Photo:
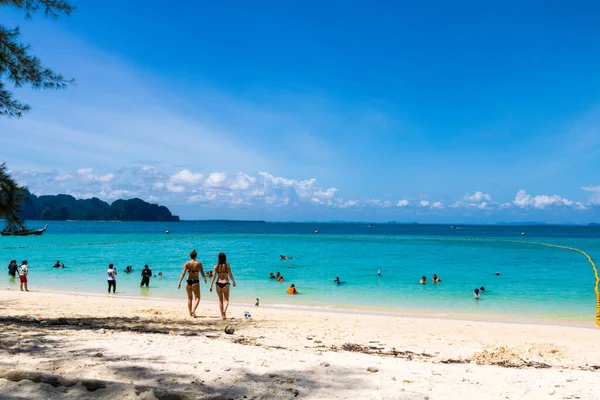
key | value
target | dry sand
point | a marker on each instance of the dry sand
(86, 346)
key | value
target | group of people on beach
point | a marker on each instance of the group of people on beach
(194, 269)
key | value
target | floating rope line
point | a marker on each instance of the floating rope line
(588, 258)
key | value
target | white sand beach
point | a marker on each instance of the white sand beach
(90, 346)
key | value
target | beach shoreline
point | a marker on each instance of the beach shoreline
(506, 318)
(134, 348)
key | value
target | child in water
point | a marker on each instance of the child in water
(292, 289)
(476, 294)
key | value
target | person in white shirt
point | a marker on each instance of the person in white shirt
(23, 271)
(112, 273)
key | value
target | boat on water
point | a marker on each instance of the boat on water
(16, 231)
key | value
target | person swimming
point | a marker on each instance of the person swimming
(160, 275)
(476, 294)
(337, 281)
(292, 289)
(482, 289)
(282, 257)
(378, 273)
(423, 280)
(280, 278)
(435, 279)
(57, 265)
(128, 269)
(272, 276)
(497, 274)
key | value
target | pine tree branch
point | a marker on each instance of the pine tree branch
(51, 8)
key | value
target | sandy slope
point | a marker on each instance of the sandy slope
(84, 346)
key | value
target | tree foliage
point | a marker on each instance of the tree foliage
(12, 196)
(18, 67)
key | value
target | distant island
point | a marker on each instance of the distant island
(64, 207)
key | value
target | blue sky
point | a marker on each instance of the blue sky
(405, 111)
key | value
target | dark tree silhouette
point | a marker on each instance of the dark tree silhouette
(11, 198)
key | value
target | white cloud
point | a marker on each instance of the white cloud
(524, 200)
(215, 180)
(175, 188)
(594, 199)
(63, 177)
(87, 173)
(424, 203)
(478, 197)
(437, 204)
(476, 200)
(102, 178)
(402, 203)
(186, 177)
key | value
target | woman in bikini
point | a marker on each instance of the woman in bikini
(222, 273)
(192, 267)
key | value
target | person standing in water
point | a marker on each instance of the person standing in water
(12, 268)
(222, 273)
(112, 282)
(23, 271)
(146, 274)
(192, 286)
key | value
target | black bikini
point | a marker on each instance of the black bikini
(192, 281)
(222, 284)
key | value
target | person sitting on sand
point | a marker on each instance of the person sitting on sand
(257, 302)
(292, 289)
(222, 271)
(57, 265)
(423, 280)
(476, 294)
(23, 271)
(192, 286)
(435, 279)
(272, 276)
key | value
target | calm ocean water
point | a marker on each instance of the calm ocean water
(535, 281)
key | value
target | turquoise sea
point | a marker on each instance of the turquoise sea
(536, 282)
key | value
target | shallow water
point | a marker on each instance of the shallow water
(535, 281)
